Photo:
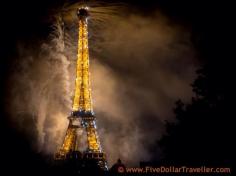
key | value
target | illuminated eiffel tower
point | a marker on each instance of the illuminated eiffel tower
(82, 117)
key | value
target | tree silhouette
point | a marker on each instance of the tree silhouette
(203, 129)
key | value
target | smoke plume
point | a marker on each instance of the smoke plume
(140, 66)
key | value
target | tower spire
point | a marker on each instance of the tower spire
(82, 99)
(82, 117)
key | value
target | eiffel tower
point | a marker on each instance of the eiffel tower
(82, 117)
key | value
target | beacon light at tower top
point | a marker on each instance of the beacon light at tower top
(83, 12)
(99, 12)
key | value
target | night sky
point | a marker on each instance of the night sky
(198, 31)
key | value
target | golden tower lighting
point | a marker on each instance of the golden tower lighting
(82, 117)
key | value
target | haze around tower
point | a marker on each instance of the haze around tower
(140, 65)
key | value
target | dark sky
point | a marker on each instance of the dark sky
(27, 21)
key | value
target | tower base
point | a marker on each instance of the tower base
(99, 157)
(78, 162)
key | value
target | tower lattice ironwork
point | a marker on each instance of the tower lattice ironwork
(82, 117)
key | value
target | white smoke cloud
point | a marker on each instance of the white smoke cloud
(143, 66)
(40, 91)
